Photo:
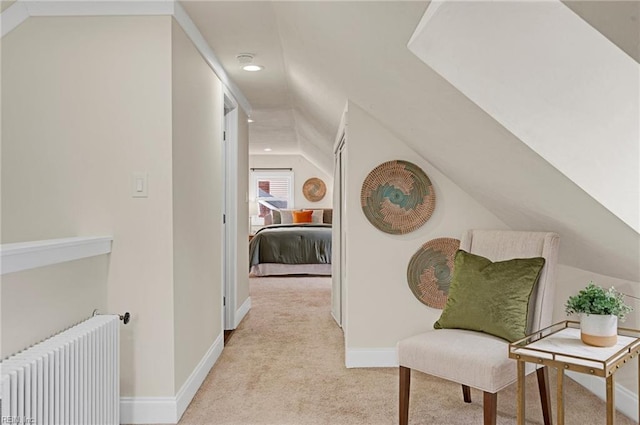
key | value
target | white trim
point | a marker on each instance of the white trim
(13, 16)
(230, 149)
(371, 357)
(342, 130)
(626, 400)
(148, 410)
(169, 410)
(193, 383)
(338, 253)
(18, 12)
(337, 321)
(20, 256)
(242, 311)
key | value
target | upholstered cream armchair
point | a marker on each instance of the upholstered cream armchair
(476, 359)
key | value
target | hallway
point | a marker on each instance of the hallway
(285, 365)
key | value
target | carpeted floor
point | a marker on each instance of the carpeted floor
(284, 365)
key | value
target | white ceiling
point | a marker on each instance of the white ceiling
(294, 112)
(296, 108)
(319, 54)
(232, 28)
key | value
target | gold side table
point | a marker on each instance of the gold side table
(559, 346)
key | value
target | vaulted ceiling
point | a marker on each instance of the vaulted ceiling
(319, 54)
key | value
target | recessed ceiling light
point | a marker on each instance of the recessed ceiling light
(249, 120)
(253, 68)
(246, 61)
(267, 149)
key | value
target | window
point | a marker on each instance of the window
(270, 190)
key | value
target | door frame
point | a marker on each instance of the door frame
(230, 211)
(338, 261)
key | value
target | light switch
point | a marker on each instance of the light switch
(139, 187)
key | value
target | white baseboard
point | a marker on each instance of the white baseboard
(148, 410)
(371, 357)
(337, 321)
(626, 400)
(169, 410)
(195, 380)
(242, 311)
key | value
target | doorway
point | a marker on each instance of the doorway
(230, 213)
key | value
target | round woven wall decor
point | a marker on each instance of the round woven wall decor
(430, 270)
(314, 189)
(397, 197)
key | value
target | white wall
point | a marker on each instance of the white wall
(86, 113)
(37, 303)
(87, 110)
(197, 205)
(303, 170)
(381, 310)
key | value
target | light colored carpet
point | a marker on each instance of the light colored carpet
(284, 365)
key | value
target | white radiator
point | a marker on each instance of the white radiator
(70, 378)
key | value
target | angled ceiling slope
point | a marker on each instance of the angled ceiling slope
(553, 81)
(280, 122)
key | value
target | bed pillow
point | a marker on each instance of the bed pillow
(327, 216)
(317, 216)
(490, 297)
(277, 219)
(304, 216)
(286, 216)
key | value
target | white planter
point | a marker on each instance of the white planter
(600, 330)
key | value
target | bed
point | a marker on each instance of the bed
(292, 249)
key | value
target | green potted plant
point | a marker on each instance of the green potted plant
(599, 309)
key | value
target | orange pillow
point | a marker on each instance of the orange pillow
(304, 216)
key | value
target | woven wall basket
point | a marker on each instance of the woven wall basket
(397, 197)
(314, 189)
(430, 270)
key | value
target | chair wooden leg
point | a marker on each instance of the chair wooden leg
(405, 385)
(545, 397)
(490, 405)
(466, 393)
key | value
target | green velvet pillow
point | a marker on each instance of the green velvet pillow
(490, 297)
